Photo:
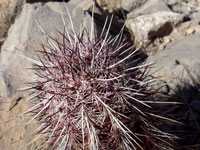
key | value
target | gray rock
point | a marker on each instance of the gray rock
(178, 61)
(16, 7)
(127, 5)
(148, 27)
(24, 37)
(189, 8)
(84, 5)
(130, 5)
(151, 6)
(195, 18)
(180, 8)
(4, 18)
(9, 10)
(3, 90)
(171, 2)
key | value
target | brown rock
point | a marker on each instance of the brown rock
(14, 133)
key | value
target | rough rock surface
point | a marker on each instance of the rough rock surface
(127, 5)
(14, 132)
(172, 63)
(145, 28)
(84, 5)
(16, 7)
(186, 7)
(9, 10)
(4, 18)
(3, 86)
(151, 6)
(26, 36)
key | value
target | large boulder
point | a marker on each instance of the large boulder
(146, 28)
(24, 37)
(178, 61)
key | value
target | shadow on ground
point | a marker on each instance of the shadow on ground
(188, 113)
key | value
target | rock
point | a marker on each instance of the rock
(84, 5)
(14, 133)
(190, 3)
(170, 2)
(184, 26)
(189, 8)
(190, 31)
(180, 8)
(179, 59)
(167, 40)
(16, 7)
(151, 6)
(149, 27)
(130, 5)
(188, 28)
(114, 5)
(3, 87)
(24, 37)
(5, 18)
(195, 18)
(9, 10)
(109, 4)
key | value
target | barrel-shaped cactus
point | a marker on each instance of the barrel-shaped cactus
(92, 94)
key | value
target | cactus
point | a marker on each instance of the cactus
(91, 94)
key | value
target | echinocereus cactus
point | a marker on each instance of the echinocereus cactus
(91, 94)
